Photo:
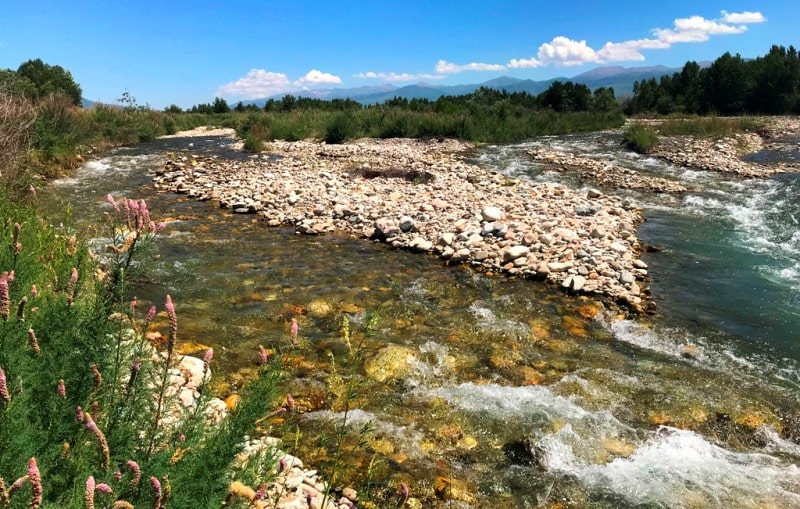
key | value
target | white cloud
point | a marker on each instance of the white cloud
(520, 63)
(445, 67)
(315, 77)
(628, 50)
(743, 17)
(256, 84)
(395, 77)
(564, 51)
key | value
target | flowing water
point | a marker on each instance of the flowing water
(499, 392)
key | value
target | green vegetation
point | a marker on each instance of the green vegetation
(768, 85)
(78, 378)
(640, 138)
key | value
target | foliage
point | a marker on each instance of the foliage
(17, 116)
(50, 79)
(640, 138)
(709, 127)
(76, 387)
(731, 85)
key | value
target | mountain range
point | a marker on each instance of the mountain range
(618, 77)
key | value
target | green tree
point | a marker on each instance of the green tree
(221, 105)
(50, 79)
(16, 85)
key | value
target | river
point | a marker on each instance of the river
(510, 394)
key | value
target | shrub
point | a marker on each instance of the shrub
(339, 128)
(640, 138)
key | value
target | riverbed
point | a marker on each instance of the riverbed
(489, 391)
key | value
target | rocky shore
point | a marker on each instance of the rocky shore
(423, 196)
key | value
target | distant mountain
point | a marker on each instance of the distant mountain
(618, 77)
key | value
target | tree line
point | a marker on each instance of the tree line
(731, 85)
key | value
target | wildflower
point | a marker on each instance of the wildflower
(61, 389)
(289, 402)
(65, 449)
(105, 454)
(122, 504)
(113, 202)
(80, 416)
(21, 308)
(73, 281)
(156, 485)
(117, 475)
(5, 299)
(295, 328)
(34, 291)
(33, 341)
(4, 394)
(208, 356)
(136, 365)
(282, 465)
(133, 305)
(262, 355)
(32, 190)
(261, 492)
(98, 378)
(36, 484)
(104, 488)
(136, 473)
(88, 494)
(403, 494)
(17, 248)
(173, 322)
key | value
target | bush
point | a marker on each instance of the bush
(640, 138)
(339, 128)
(81, 396)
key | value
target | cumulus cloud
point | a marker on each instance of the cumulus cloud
(395, 77)
(520, 63)
(255, 84)
(563, 51)
(743, 17)
(445, 67)
(315, 77)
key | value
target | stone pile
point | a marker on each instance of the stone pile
(603, 173)
(716, 155)
(583, 241)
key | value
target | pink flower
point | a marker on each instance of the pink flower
(261, 492)
(61, 389)
(404, 492)
(208, 356)
(156, 485)
(263, 358)
(294, 330)
(98, 378)
(117, 475)
(136, 471)
(290, 402)
(105, 454)
(104, 488)
(73, 282)
(282, 465)
(173, 321)
(88, 494)
(33, 341)
(4, 394)
(36, 484)
(5, 299)
(113, 202)
(79, 415)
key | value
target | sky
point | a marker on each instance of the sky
(185, 53)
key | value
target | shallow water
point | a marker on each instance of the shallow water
(505, 393)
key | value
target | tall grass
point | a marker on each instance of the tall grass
(640, 138)
(710, 127)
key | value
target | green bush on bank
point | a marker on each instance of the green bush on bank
(76, 388)
(640, 138)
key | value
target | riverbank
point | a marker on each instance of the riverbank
(423, 196)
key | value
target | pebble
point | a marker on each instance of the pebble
(485, 219)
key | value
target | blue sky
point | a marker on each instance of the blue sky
(185, 53)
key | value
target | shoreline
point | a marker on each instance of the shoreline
(423, 196)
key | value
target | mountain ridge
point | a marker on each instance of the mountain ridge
(619, 77)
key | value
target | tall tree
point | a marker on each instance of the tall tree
(50, 79)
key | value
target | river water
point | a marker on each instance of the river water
(506, 393)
